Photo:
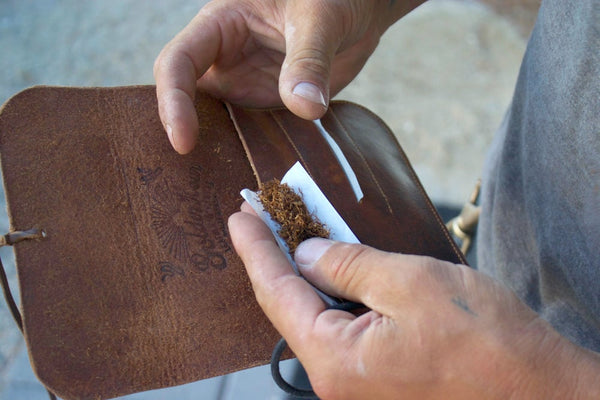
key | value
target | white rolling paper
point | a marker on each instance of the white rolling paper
(317, 204)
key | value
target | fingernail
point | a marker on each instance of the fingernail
(310, 251)
(310, 92)
(170, 134)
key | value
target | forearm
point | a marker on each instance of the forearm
(587, 385)
(572, 374)
(544, 364)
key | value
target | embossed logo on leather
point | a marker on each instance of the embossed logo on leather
(187, 220)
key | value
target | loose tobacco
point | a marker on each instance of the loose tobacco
(287, 209)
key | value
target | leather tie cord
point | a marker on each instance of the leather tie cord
(8, 240)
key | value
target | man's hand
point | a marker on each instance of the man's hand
(264, 53)
(436, 330)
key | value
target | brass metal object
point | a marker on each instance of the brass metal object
(463, 226)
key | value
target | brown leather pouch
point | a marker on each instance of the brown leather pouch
(134, 284)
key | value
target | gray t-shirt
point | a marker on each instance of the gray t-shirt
(539, 231)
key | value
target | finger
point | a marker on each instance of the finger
(179, 65)
(310, 48)
(288, 300)
(247, 208)
(378, 279)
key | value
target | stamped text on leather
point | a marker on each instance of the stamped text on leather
(188, 222)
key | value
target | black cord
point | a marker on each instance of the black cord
(282, 383)
(51, 395)
(280, 348)
(10, 301)
(14, 309)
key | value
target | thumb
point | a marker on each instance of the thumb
(352, 271)
(311, 45)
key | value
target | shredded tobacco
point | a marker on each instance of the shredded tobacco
(289, 211)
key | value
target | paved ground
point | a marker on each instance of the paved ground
(441, 79)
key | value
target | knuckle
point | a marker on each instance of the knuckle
(421, 272)
(158, 62)
(312, 59)
(163, 60)
(263, 291)
(346, 265)
(323, 390)
(326, 386)
(428, 272)
(324, 364)
(334, 381)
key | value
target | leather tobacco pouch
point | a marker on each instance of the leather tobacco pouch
(130, 281)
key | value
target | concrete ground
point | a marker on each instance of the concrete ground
(441, 79)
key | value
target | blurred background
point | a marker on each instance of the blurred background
(441, 78)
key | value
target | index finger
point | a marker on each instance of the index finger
(287, 299)
(176, 70)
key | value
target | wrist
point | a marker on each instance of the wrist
(553, 367)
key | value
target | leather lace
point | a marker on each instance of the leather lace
(8, 240)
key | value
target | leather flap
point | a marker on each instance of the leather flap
(136, 285)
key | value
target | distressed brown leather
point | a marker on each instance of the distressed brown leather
(136, 285)
(395, 214)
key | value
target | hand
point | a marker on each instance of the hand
(436, 330)
(264, 53)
